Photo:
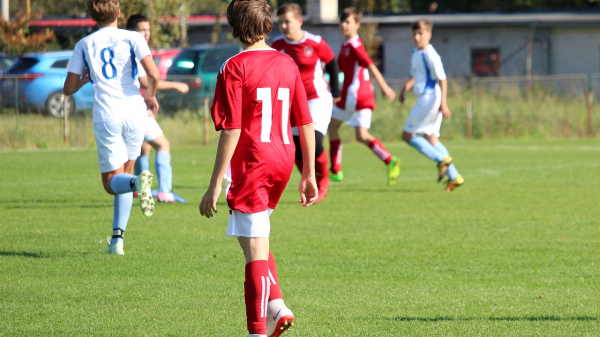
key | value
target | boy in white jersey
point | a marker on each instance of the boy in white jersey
(119, 112)
(428, 81)
(154, 136)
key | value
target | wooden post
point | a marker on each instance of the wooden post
(469, 117)
(528, 62)
(205, 121)
(17, 101)
(590, 100)
(64, 99)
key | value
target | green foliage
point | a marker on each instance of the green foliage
(514, 252)
(16, 38)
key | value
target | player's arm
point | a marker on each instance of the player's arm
(334, 80)
(444, 106)
(385, 88)
(153, 78)
(74, 82)
(409, 84)
(227, 144)
(308, 189)
(166, 85)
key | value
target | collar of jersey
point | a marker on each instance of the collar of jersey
(261, 49)
(296, 42)
(352, 39)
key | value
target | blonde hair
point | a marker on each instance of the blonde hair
(103, 11)
(422, 24)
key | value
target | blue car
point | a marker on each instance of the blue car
(35, 83)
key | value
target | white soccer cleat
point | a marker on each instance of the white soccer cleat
(165, 197)
(115, 249)
(279, 318)
(143, 184)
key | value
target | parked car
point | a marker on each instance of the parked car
(36, 81)
(197, 66)
(6, 61)
(163, 59)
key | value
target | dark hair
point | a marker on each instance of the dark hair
(134, 19)
(250, 20)
(351, 11)
(422, 24)
(290, 7)
(103, 11)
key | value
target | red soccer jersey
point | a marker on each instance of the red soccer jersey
(261, 93)
(357, 93)
(308, 54)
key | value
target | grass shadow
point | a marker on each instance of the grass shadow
(24, 254)
(49, 204)
(548, 318)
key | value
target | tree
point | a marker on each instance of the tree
(16, 38)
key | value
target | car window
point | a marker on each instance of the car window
(185, 63)
(60, 64)
(6, 62)
(214, 59)
(22, 64)
(156, 60)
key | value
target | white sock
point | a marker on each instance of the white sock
(255, 335)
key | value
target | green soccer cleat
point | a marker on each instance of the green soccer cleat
(443, 167)
(143, 184)
(336, 176)
(393, 171)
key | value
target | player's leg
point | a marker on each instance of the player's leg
(142, 162)
(321, 163)
(455, 179)
(124, 184)
(335, 148)
(361, 121)
(164, 171)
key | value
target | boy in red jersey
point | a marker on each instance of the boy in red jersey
(357, 99)
(310, 52)
(259, 93)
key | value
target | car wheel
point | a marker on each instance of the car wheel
(54, 105)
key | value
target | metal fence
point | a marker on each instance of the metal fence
(559, 105)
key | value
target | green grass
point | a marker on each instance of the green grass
(512, 253)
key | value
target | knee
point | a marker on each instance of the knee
(163, 145)
(406, 137)
(107, 187)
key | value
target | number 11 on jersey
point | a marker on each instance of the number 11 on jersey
(264, 95)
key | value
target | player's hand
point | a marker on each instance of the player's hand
(389, 93)
(151, 113)
(182, 88)
(308, 191)
(208, 205)
(151, 103)
(445, 110)
(336, 99)
(401, 97)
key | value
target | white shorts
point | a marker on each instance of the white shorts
(425, 117)
(119, 140)
(360, 118)
(249, 225)
(153, 130)
(320, 111)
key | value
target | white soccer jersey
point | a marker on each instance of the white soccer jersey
(427, 69)
(111, 55)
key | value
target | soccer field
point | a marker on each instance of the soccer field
(513, 252)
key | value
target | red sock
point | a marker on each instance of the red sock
(256, 294)
(335, 152)
(300, 165)
(321, 171)
(275, 290)
(380, 151)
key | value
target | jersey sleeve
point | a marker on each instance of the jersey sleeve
(226, 110)
(77, 65)
(140, 47)
(300, 111)
(436, 67)
(361, 55)
(141, 71)
(325, 53)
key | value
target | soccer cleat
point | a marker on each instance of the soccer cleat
(143, 185)
(443, 167)
(393, 171)
(165, 197)
(279, 319)
(454, 184)
(115, 249)
(336, 176)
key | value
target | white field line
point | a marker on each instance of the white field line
(528, 148)
(72, 149)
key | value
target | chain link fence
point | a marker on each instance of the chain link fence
(35, 114)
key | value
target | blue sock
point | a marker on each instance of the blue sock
(122, 209)
(425, 147)
(164, 171)
(141, 164)
(452, 171)
(121, 183)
